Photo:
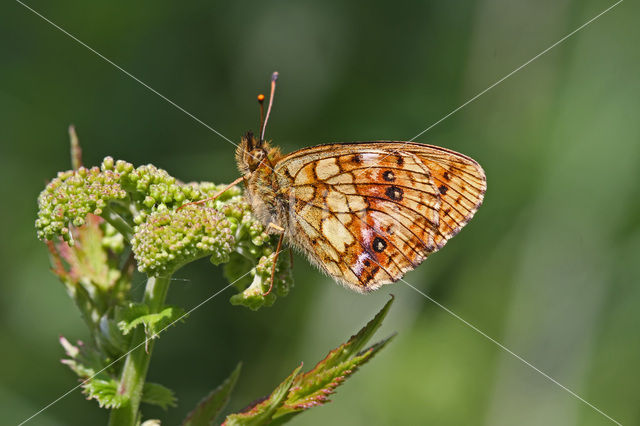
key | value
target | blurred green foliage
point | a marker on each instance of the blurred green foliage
(549, 266)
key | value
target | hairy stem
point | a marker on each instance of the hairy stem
(136, 364)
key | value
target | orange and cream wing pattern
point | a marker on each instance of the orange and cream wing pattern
(366, 213)
(461, 184)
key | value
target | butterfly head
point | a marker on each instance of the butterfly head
(253, 153)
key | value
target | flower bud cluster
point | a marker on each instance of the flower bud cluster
(72, 195)
(152, 211)
(169, 239)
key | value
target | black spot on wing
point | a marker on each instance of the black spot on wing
(395, 193)
(388, 176)
(378, 245)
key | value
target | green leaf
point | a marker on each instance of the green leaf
(89, 270)
(105, 392)
(156, 394)
(84, 360)
(261, 413)
(109, 337)
(210, 406)
(138, 314)
(88, 363)
(313, 388)
(357, 341)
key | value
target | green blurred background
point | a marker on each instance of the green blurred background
(549, 266)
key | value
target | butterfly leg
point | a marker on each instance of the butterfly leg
(277, 228)
(225, 189)
(275, 262)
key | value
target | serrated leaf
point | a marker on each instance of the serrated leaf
(138, 314)
(89, 270)
(84, 360)
(156, 394)
(126, 315)
(105, 392)
(356, 342)
(88, 364)
(109, 336)
(313, 388)
(210, 406)
(261, 412)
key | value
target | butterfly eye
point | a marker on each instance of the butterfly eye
(255, 157)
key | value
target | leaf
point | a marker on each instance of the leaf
(210, 406)
(89, 270)
(138, 314)
(83, 359)
(261, 412)
(156, 394)
(105, 392)
(88, 364)
(87, 262)
(313, 388)
(109, 337)
(357, 341)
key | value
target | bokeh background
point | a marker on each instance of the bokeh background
(549, 266)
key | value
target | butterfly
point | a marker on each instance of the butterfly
(365, 213)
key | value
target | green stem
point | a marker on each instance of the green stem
(117, 222)
(136, 364)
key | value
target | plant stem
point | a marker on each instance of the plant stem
(136, 364)
(117, 222)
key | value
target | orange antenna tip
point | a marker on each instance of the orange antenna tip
(260, 98)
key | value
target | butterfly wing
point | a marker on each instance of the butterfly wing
(366, 213)
(461, 183)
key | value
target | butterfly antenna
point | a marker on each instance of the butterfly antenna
(261, 102)
(274, 77)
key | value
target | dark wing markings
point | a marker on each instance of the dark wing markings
(329, 243)
(350, 212)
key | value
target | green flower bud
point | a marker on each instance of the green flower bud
(169, 239)
(141, 207)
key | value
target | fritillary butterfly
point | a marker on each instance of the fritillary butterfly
(363, 212)
(366, 212)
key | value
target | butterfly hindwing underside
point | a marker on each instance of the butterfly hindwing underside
(366, 213)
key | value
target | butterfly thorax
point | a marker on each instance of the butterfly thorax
(256, 159)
